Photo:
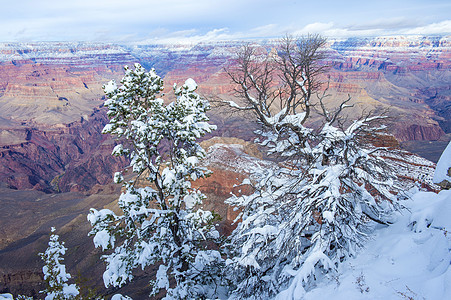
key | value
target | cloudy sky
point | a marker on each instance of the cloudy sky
(205, 20)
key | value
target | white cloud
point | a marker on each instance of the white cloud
(190, 36)
(265, 31)
(377, 28)
(443, 27)
(315, 28)
(329, 29)
(386, 23)
(205, 20)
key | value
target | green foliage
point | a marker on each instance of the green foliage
(55, 275)
(163, 222)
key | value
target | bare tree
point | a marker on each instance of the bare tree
(281, 88)
(283, 81)
(313, 210)
(301, 62)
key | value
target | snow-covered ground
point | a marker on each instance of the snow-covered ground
(407, 260)
(444, 163)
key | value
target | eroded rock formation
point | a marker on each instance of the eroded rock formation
(51, 116)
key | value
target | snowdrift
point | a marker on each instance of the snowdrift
(407, 260)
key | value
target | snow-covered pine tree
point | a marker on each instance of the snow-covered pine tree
(162, 221)
(314, 209)
(55, 275)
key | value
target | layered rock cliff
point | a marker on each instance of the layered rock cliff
(51, 118)
(409, 74)
(60, 158)
(394, 73)
(50, 95)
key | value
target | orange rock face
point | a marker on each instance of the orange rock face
(232, 161)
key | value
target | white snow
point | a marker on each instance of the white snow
(329, 216)
(246, 181)
(120, 297)
(296, 290)
(444, 163)
(407, 260)
(162, 279)
(190, 201)
(232, 157)
(6, 297)
(190, 84)
(110, 87)
(103, 239)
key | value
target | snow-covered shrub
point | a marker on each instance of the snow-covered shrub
(305, 218)
(409, 259)
(55, 274)
(162, 221)
(310, 213)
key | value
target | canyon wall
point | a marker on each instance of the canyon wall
(51, 98)
(51, 115)
(411, 75)
(60, 158)
(55, 164)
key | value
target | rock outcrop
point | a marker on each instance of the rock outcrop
(432, 132)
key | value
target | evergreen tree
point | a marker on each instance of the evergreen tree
(54, 271)
(162, 222)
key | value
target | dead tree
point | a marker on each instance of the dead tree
(280, 88)
(311, 212)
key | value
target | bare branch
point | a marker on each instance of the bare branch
(337, 112)
(297, 66)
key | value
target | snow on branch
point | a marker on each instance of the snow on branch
(315, 208)
(161, 222)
